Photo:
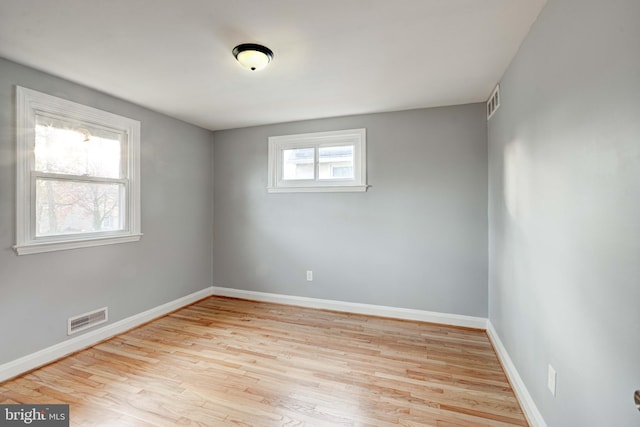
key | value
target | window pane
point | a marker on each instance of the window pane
(77, 149)
(336, 162)
(298, 163)
(68, 207)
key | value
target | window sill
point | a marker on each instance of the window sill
(34, 248)
(319, 189)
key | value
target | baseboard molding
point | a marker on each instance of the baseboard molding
(351, 307)
(50, 354)
(57, 351)
(534, 417)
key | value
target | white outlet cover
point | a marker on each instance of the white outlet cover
(551, 380)
(309, 275)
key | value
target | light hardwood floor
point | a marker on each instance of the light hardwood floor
(225, 361)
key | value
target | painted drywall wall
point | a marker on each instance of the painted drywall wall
(564, 211)
(39, 292)
(416, 239)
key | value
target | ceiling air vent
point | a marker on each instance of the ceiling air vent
(494, 102)
(87, 320)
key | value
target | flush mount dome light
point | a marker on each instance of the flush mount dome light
(253, 56)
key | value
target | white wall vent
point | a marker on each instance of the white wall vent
(494, 102)
(87, 320)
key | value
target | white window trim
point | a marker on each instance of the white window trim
(355, 137)
(29, 102)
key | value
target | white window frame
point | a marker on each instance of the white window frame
(317, 140)
(30, 103)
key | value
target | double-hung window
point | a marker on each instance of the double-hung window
(322, 161)
(78, 175)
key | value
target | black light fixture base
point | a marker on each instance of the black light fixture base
(252, 46)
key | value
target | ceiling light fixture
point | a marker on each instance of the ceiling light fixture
(253, 56)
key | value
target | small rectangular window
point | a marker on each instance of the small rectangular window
(336, 162)
(78, 175)
(66, 207)
(322, 161)
(298, 163)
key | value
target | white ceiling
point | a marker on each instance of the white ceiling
(332, 57)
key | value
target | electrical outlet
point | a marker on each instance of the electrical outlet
(551, 380)
(309, 276)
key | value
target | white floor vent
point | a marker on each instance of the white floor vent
(87, 320)
(494, 102)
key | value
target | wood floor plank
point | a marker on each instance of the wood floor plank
(225, 361)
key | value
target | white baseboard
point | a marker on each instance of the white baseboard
(534, 417)
(352, 307)
(57, 351)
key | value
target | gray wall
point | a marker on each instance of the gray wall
(564, 211)
(417, 239)
(39, 292)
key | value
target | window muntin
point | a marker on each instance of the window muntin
(78, 175)
(323, 161)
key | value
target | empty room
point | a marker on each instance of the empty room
(320, 213)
